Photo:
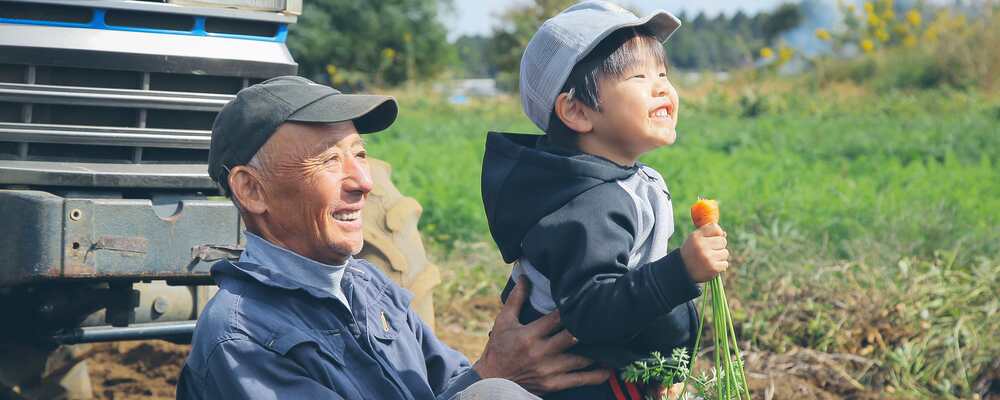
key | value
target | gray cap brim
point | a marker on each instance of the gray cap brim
(660, 23)
(370, 113)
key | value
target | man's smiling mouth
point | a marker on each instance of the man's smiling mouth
(347, 216)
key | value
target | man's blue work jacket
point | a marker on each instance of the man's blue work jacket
(271, 333)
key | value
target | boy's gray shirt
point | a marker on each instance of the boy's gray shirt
(592, 237)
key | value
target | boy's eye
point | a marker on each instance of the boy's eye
(640, 76)
(663, 74)
(362, 154)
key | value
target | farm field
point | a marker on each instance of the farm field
(864, 230)
(864, 227)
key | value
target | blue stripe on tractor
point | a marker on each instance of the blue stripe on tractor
(97, 22)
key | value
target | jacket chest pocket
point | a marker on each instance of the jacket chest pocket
(329, 343)
(388, 325)
(385, 323)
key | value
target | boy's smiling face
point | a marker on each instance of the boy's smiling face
(638, 113)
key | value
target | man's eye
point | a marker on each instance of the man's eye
(362, 154)
(640, 76)
(663, 74)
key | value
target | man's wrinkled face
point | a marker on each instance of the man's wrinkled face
(315, 185)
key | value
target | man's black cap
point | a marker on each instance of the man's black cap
(245, 123)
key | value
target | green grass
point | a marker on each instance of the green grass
(917, 169)
(864, 225)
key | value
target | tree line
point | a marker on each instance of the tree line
(355, 43)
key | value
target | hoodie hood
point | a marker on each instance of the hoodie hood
(525, 180)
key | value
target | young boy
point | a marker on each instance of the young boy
(581, 219)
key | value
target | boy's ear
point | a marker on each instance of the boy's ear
(248, 190)
(571, 113)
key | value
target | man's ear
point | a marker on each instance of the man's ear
(246, 186)
(571, 113)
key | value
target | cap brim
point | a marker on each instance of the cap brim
(370, 113)
(663, 24)
(660, 23)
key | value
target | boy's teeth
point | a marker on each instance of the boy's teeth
(347, 215)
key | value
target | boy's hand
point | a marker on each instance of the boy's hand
(704, 253)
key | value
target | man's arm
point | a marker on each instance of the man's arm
(242, 369)
(583, 248)
(448, 371)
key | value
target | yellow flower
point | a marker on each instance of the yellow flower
(332, 73)
(874, 20)
(823, 34)
(867, 45)
(913, 17)
(888, 14)
(869, 7)
(389, 53)
(785, 53)
(910, 41)
(931, 35)
(882, 35)
(766, 53)
(851, 9)
(959, 21)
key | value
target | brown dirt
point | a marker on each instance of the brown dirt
(149, 369)
(136, 370)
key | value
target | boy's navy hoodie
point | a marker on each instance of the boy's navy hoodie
(591, 236)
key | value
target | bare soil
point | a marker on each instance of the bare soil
(150, 369)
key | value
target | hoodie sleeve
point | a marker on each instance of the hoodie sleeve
(583, 248)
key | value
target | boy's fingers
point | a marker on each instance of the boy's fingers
(722, 255)
(716, 242)
(712, 230)
(722, 266)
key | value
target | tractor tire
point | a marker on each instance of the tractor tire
(392, 241)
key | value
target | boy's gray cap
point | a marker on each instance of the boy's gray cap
(249, 120)
(567, 38)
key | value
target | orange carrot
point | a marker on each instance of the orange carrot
(705, 212)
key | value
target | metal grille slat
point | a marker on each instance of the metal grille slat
(128, 98)
(106, 136)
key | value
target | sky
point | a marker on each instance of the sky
(478, 16)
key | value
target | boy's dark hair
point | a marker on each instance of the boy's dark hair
(610, 59)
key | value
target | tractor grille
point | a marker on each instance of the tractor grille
(76, 114)
(115, 94)
(138, 19)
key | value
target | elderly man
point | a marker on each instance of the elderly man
(297, 317)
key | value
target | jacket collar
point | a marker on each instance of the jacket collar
(278, 267)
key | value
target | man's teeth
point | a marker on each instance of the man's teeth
(661, 113)
(347, 215)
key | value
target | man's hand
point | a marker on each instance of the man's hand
(534, 355)
(704, 253)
